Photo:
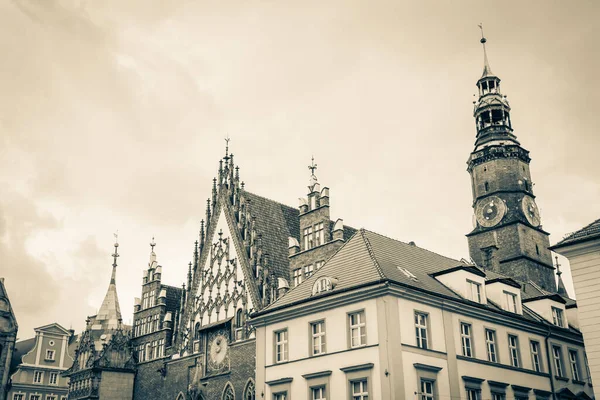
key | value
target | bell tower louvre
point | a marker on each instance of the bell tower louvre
(507, 237)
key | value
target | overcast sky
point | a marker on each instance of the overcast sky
(113, 114)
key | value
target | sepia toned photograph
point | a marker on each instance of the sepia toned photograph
(283, 200)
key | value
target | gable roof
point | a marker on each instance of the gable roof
(374, 258)
(588, 232)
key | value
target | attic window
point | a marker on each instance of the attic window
(324, 284)
(408, 274)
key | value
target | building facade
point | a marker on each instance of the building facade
(408, 323)
(39, 373)
(104, 365)
(582, 248)
(250, 250)
(8, 337)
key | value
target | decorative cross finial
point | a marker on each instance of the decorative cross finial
(486, 65)
(227, 139)
(558, 271)
(312, 166)
(152, 244)
(482, 37)
(116, 253)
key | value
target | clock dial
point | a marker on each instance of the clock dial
(218, 350)
(490, 211)
(530, 210)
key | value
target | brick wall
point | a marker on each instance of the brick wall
(117, 385)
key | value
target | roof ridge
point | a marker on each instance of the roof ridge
(571, 235)
(371, 253)
(407, 244)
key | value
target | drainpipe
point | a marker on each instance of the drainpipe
(550, 363)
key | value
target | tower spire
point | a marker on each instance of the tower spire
(115, 255)
(561, 285)
(487, 71)
(110, 313)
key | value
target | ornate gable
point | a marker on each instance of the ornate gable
(242, 251)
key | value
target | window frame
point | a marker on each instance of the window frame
(322, 388)
(419, 328)
(557, 359)
(364, 383)
(50, 355)
(464, 337)
(297, 276)
(491, 344)
(536, 359)
(516, 348)
(321, 336)
(284, 343)
(574, 365)
(470, 285)
(41, 375)
(55, 375)
(558, 317)
(361, 326)
(512, 305)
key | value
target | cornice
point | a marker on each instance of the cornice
(498, 365)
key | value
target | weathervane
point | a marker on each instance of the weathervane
(312, 166)
(152, 244)
(116, 253)
(558, 271)
(227, 139)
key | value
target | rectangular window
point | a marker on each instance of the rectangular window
(360, 390)
(50, 355)
(308, 238)
(510, 302)
(557, 358)
(557, 316)
(297, 276)
(535, 356)
(319, 264)
(318, 393)
(319, 234)
(281, 346)
(427, 390)
(465, 338)
(18, 397)
(358, 332)
(280, 396)
(421, 330)
(50, 397)
(53, 378)
(151, 297)
(318, 337)
(145, 301)
(473, 394)
(35, 397)
(308, 271)
(474, 291)
(513, 349)
(161, 348)
(490, 342)
(498, 396)
(574, 362)
(38, 376)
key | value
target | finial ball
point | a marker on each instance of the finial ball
(116, 244)
(483, 40)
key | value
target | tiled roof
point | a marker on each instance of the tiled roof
(22, 347)
(275, 222)
(368, 258)
(173, 298)
(588, 232)
(375, 258)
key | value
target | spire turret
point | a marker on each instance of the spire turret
(491, 111)
(560, 288)
(109, 314)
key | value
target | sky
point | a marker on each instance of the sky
(113, 116)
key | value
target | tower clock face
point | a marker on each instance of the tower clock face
(218, 350)
(490, 211)
(530, 210)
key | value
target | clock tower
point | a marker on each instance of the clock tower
(507, 236)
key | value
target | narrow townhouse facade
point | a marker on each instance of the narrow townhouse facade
(39, 373)
(8, 338)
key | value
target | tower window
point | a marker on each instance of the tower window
(537, 249)
(487, 187)
(484, 169)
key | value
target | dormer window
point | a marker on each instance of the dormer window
(324, 284)
(510, 302)
(473, 291)
(557, 317)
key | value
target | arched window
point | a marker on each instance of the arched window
(197, 331)
(228, 393)
(249, 391)
(239, 317)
